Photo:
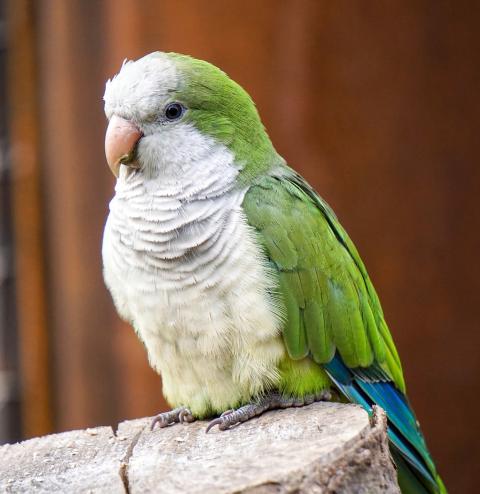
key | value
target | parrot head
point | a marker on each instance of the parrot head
(166, 110)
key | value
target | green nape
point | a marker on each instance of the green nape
(222, 109)
(302, 377)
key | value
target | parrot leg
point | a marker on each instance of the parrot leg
(180, 414)
(269, 402)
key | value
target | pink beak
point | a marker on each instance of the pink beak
(121, 139)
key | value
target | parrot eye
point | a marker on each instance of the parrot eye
(173, 111)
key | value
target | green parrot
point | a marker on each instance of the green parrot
(235, 274)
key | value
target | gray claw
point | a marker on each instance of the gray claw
(185, 416)
(160, 420)
(220, 421)
(213, 423)
(180, 414)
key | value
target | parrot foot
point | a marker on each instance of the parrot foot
(269, 402)
(180, 414)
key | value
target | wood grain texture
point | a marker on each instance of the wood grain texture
(76, 461)
(321, 448)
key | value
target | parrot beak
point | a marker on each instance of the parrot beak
(121, 140)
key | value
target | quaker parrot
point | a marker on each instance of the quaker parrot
(235, 274)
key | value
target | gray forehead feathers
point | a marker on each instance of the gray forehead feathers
(142, 87)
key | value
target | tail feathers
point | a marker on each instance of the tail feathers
(370, 386)
(411, 458)
(409, 482)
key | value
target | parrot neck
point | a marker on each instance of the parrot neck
(177, 222)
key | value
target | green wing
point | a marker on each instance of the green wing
(330, 302)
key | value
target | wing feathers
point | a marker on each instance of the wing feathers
(330, 302)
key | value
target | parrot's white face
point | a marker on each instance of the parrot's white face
(142, 109)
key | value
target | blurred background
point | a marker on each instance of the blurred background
(376, 103)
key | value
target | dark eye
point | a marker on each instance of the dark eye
(173, 111)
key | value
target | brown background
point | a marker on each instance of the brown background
(376, 103)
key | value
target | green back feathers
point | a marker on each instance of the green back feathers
(330, 302)
(221, 108)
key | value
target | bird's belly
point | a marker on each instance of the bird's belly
(214, 334)
(210, 356)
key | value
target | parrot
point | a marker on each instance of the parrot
(236, 275)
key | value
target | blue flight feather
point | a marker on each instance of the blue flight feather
(369, 386)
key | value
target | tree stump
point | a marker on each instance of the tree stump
(321, 448)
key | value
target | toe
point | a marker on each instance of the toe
(213, 423)
(160, 420)
(185, 416)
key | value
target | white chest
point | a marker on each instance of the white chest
(189, 276)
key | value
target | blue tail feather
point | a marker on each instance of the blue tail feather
(370, 386)
(410, 455)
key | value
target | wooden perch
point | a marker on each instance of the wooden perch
(322, 448)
